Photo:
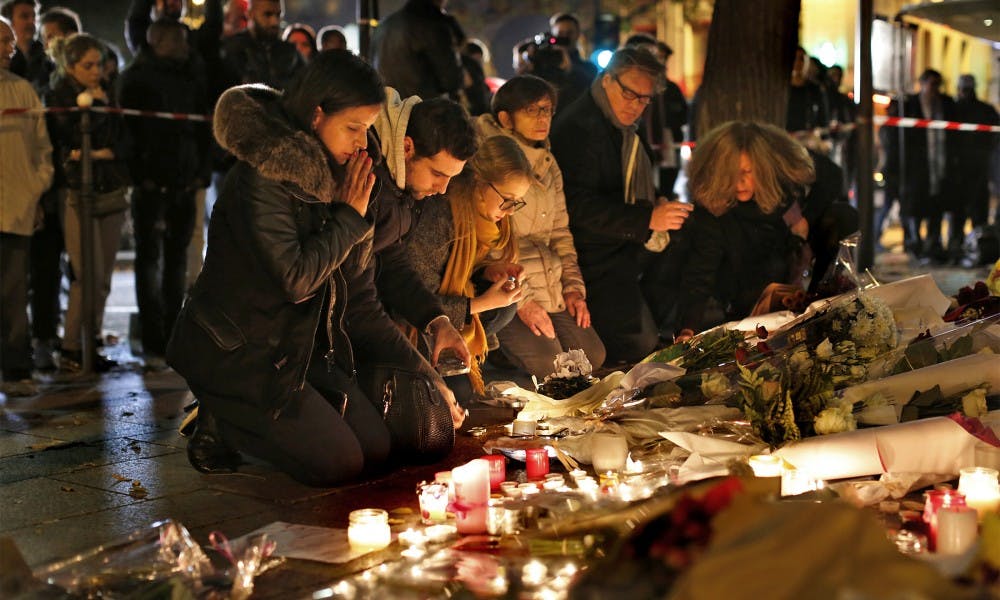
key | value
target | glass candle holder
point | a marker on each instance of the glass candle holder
(608, 452)
(498, 470)
(536, 463)
(368, 530)
(433, 499)
(957, 529)
(934, 501)
(981, 488)
(765, 465)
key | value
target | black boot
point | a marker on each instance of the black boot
(207, 451)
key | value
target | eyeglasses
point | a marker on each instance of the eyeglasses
(508, 204)
(631, 95)
(534, 111)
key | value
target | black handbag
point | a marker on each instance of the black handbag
(415, 412)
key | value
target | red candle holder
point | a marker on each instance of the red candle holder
(536, 462)
(498, 470)
(934, 501)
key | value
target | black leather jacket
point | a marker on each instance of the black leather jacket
(271, 290)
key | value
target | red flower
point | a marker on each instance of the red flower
(762, 332)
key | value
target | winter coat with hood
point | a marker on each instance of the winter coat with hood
(271, 289)
(545, 244)
(392, 209)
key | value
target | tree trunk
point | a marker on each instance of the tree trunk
(751, 48)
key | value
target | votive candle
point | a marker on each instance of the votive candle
(445, 477)
(433, 499)
(536, 462)
(368, 530)
(765, 465)
(957, 529)
(498, 470)
(981, 488)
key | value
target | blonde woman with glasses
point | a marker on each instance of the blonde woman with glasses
(552, 315)
(466, 248)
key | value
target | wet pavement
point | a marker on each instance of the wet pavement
(85, 462)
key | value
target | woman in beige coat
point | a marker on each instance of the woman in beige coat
(553, 315)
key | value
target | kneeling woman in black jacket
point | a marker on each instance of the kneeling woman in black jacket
(260, 340)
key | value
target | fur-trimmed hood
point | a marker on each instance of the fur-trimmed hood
(250, 124)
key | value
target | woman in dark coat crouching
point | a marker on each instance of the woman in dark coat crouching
(260, 340)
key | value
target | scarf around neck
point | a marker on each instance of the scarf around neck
(475, 237)
(637, 169)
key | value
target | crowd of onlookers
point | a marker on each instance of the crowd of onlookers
(500, 223)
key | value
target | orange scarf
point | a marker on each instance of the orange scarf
(475, 238)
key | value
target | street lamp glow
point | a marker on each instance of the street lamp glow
(602, 57)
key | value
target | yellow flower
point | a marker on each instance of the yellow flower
(989, 549)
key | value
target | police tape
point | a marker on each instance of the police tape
(885, 121)
(131, 112)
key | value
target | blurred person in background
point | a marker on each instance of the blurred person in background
(332, 37)
(169, 164)
(664, 119)
(80, 59)
(26, 170)
(29, 60)
(416, 51)
(258, 54)
(303, 37)
(974, 150)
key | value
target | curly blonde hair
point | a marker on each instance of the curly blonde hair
(781, 166)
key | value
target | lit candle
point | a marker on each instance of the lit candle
(433, 499)
(472, 492)
(935, 501)
(765, 465)
(536, 462)
(368, 530)
(957, 529)
(981, 488)
(534, 573)
(498, 470)
(795, 482)
(608, 452)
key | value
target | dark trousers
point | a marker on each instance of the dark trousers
(164, 223)
(15, 341)
(46, 276)
(311, 440)
(973, 187)
(621, 314)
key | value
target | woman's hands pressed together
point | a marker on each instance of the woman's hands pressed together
(357, 185)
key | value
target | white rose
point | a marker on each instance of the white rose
(825, 349)
(834, 420)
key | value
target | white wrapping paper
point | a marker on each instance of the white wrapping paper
(936, 445)
(953, 376)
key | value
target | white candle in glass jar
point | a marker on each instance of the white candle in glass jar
(368, 530)
(981, 488)
(765, 465)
